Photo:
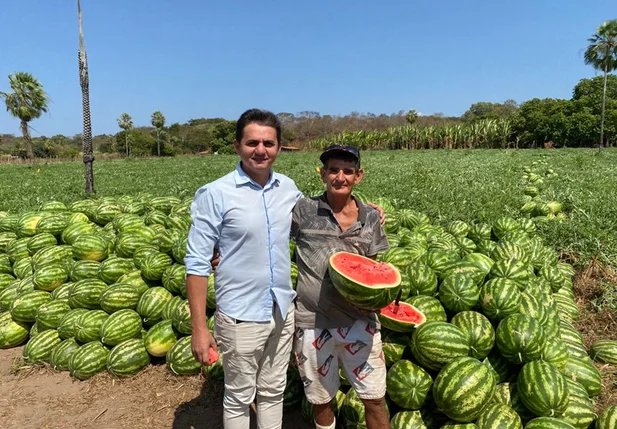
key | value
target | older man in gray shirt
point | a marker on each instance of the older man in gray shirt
(329, 330)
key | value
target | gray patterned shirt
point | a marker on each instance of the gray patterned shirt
(318, 235)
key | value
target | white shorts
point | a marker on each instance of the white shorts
(319, 352)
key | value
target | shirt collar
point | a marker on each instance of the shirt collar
(322, 204)
(242, 178)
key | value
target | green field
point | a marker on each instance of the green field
(446, 185)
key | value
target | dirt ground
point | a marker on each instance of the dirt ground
(41, 398)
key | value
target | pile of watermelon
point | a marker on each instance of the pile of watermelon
(498, 348)
(99, 285)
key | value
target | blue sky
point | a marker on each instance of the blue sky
(194, 59)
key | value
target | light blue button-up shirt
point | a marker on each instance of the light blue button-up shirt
(249, 225)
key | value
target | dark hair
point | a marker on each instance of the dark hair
(343, 156)
(260, 117)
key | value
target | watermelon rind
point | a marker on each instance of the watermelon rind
(89, 360)
(408, 385)
(180, 358)
(128, 358)
(368, 297)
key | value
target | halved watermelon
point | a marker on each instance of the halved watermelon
(402, 318)
(365, 283)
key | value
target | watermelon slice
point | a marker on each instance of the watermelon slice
(365, 283)
(401, 318)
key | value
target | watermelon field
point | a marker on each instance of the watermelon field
(510, 256)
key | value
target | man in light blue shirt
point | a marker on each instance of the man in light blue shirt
(246, 215)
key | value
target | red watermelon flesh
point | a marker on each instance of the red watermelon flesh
(403, 317)
(364, 270)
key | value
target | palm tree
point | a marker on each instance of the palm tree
(602, 55)
(158, 122)
(84, 82)
(27, 102)
(126, 123)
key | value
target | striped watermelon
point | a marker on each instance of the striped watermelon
(422, 279)
(23, 268)
(76, 230)
(128, 243)
(88, 325)
(50, 277)
(393, 344)
(179, 250)
(458, 292)
(429, 306)
(511, 269)
(463, 389)
(90, 247)
(396, 256)
(53, 223)
(26, 225)
(8, 295)
(553, 275)
(154, 265)
(5, 280)
(39, 348)
(520, 338)
(12, 333)
(48, 315)
(181, 318)
(140, 254)
(548, 423)
(434, 344)
(585, 373)
(480, 231)
(26, 285)
(34, 331)
(607, 418)
(155, 217)
(85, 269)
(40, 241)
(180, 358)
(412, 420)
(150, 305)
(67, 325)
(62, 292)
(543, 389)
(468, 268)
(555, 352)
(174, 279)
(128, 358)
(408, 385)
(88, 360)
(7, 238)
(440, 260)
(164, 204)
(51, 255)
(24, 307)
(136, 279)
(160, 338)
(458, 228)
(127, 221)
(106, 213)
(579, 412)
(452, 425)
(86, 293)
(499, 416)
(531, 307)
(18, 249)
(604, 351)
(61, 354)
(179, 222)
(120, 326)
(499, 298)
(501, 369)
(504, 225)
(121, 296)
(5, 264)
(575, 388)
(508, 250)
(113, 268)
(478, 330)
(170, 307)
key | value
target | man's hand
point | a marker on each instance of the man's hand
(382, 214)
(202, 342)
(215, 259)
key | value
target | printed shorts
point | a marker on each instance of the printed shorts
(357, 349)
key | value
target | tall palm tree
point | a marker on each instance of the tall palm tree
(28, 101)
(126, 123)
(602, 55)
(84, 82)
(158, 122)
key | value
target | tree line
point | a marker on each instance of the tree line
(588, 118)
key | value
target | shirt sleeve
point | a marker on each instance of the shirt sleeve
(380, 241)
(295, 221)
(205, 231)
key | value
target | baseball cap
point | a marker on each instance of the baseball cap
(338, 148)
